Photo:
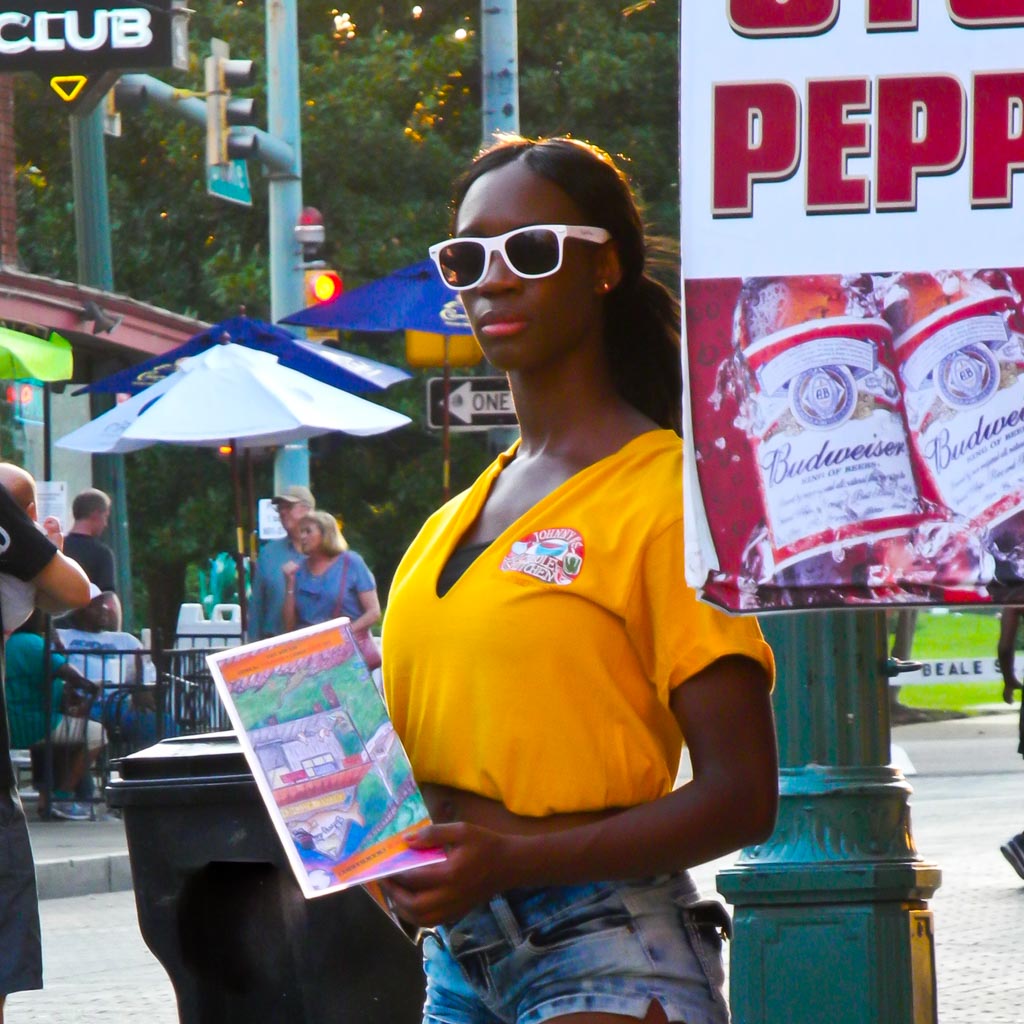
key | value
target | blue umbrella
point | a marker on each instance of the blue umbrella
(343, 370)
(411, 299)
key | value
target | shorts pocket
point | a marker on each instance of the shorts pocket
(707, 924)
(578, 923)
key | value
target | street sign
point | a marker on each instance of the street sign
(79, 52)
(474, 403)
(52, 500)
(230, 182)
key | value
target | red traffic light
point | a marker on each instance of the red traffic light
(322, 286)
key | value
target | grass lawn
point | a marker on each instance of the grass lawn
(951, 696)
(954, 635)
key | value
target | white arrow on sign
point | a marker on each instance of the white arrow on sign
(471, 403)
(460, 403)
(464, 403)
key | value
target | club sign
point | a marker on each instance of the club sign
(80, 46)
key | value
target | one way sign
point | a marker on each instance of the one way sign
(474, 403)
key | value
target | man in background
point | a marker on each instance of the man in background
(100, 650)
(91, 513)
(266, 607)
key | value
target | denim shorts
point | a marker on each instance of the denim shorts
(531, 955)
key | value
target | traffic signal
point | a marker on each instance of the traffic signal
(222, 111)
(322, 285)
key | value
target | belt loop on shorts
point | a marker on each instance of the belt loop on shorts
(506, 920)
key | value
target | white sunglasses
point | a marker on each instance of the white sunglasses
(529, 252)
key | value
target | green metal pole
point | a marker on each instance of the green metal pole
(831, 914)
(291, 464)
(95, 268)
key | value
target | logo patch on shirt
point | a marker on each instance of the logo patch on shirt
(553, 556)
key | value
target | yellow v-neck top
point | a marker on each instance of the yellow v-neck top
(542, 677)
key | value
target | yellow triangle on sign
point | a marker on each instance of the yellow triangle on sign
(68, 87)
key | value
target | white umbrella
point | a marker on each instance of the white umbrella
(231, 393)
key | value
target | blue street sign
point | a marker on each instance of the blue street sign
(230, 182)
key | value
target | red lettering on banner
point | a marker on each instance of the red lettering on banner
(891, 15)
(998, 137)
(813, 17)
(921, 130)
(832, 139)
(756, 138)
(772, 18)
(979, 13)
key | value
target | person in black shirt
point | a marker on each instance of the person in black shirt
(28, 554)
(91, 513)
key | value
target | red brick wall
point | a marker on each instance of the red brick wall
(8, 206)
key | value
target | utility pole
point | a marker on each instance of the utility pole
(500, 71)
(500, 59)
(291, 465)
(279, 149)
(95, 268)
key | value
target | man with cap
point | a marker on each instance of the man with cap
(266, 607)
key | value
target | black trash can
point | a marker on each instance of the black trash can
(220, 908)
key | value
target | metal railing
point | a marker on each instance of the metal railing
(144, 696)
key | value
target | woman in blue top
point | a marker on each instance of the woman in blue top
(332, 581)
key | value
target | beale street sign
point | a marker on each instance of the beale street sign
(79, 46)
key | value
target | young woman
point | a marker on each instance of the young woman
(332, 581)
(544, 657)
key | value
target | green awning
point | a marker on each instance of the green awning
(24, 356)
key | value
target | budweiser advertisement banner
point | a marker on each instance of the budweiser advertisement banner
(853, 261)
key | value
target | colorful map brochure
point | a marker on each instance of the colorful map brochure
(326, 758)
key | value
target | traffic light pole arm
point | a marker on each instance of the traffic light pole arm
(277, 156)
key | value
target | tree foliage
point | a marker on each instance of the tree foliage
(389, 117)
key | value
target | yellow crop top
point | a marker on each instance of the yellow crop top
(542, 677)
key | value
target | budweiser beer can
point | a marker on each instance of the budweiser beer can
(822, 410)
(961, 371)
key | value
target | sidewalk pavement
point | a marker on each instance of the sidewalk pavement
(968, 783)
(79, 858)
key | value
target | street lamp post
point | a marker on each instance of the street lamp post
(831, 915)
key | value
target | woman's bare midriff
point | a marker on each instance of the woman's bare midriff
(447, 804)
